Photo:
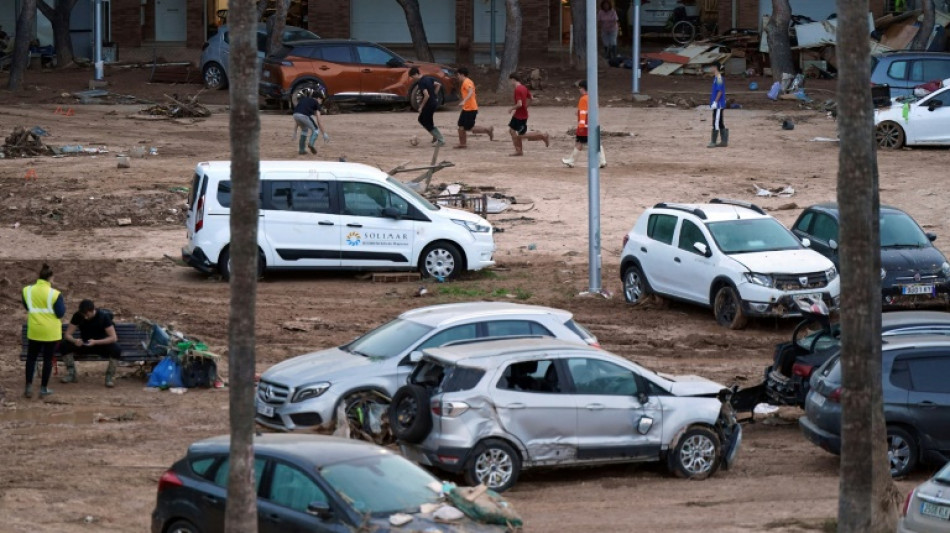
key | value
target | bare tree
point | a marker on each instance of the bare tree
(512, 51)
(868, 499)
(780, 45)
(245, 126)
(922, 39)
(579, 27)
(25, 23)
(59, 19)
(420, 43)
(275, 26)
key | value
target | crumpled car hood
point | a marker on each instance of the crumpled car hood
(784, 261)
(689, 385)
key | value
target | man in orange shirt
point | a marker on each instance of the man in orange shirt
(469, 111)
(580, 136)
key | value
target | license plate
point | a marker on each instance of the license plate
(932, 509)
(818, 399)
(264, 409)
(917, 289)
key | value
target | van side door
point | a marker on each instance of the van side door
(301, 224)
(378, 226)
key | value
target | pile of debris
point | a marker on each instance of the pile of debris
(178, 108)
(694, 58)
(25, 143)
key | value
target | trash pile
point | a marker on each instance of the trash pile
(694, 58)
(178, 108)
(25, 143)
(482, 201)
(187, 363)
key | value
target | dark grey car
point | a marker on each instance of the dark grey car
(305, 483)
(903, 71)
(916, 380)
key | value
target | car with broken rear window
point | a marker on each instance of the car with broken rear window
(488, 410)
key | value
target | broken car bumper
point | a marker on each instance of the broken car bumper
(197, 259)
(823, 439)
(451, 460)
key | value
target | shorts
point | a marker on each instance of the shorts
(518, 125)
(581, 139)
(467, 119)
(426, 118)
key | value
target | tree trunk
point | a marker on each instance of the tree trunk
(416, 30)
(58, 17)
(245, 126)
(579, 25)
(25, 23)
(926, 27)
(275, 26)
(261, 7)
(780, 45)
(868, 500)
(512, 51)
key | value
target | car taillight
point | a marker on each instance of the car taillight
(835, 395)
(448, 409)
(910, 496)
(803, 370)
(625, 239)
(200, 214)
(169, 480)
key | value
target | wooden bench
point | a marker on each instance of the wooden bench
(134, 341)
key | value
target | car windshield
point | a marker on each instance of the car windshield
(898, 230)
(943, 476)
(823, 342)
(419, 198)
(382, 484)
(298, 34)
(753, 235)
(388, 340)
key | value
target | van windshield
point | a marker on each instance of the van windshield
(419, 198)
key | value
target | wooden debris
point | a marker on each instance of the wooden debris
(24, 143)
(178, 108)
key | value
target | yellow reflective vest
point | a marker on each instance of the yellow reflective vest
(42, 323)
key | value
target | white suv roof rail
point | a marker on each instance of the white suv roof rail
(738, 203)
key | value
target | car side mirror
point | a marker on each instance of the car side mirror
(833, 244)
(806, 242)
(702, 249)
(394, 63)
(391, 212)
(932, 236)
(415, 356)
(320, 509)
(934, 104)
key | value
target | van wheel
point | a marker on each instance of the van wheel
(224, 263)
(696, 455)
(901, 451)
(441, 260)
(728, 309)
(495, 464)
(409, 417)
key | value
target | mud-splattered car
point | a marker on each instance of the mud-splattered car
(489, 409)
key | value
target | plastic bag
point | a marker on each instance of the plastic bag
(167, 374)
(774, 91)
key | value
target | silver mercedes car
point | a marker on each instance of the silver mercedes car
(489, 409)
(359, 378)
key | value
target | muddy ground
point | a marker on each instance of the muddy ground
(62, 472)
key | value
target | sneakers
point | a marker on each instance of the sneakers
(568, 162)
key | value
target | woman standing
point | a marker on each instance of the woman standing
(609, 27)
(44, 329)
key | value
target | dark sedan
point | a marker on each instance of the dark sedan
(305, 483)
(913, 270)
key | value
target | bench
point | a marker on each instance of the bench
(136, 344)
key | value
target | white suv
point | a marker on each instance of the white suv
(727, 255)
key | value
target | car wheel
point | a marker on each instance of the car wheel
(316, 86)
(359, 409)
(182, 526)
(696, 455)
(728, 308)
(441, 260)
(415, 97)
(901, 451)
(214, 76)
(635, 286)
(494, 464)
(224, 264)
(409, 417)
(889, 135)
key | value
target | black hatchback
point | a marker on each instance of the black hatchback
(913, 270)
(305, 483)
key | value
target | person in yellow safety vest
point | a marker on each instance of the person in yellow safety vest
(580, 135)
(44, 328)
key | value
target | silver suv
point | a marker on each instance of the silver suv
(216, 52)
(727, 255)
(490, 409)
(361, 377)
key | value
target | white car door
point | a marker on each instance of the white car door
(656, 253)
(378, 230)
(695, 270)
(930, 120)
(300, 223)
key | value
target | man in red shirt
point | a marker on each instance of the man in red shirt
(518, 126)
(580, 136)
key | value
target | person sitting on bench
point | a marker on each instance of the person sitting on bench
(98, 338)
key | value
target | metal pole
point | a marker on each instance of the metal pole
(97, 38)
(491, 12)
(636, 47)
(593, 148)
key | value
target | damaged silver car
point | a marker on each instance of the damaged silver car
(488, 410)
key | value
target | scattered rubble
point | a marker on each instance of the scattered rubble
(25, 143)
(178, 108)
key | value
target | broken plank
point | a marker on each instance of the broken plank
(666, 69)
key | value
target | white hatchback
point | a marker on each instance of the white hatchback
(333, 216)
(922, 122)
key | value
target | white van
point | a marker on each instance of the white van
(335, 216)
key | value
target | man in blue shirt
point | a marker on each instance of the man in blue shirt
(717, 102)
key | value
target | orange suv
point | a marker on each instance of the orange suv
(347, 70)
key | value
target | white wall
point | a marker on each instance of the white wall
(384, 21)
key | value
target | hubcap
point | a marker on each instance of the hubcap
(494, 468)
(440, 263)
(887, 135)
(213, 77)
(633, 287)
(697, 454)
(898, 453)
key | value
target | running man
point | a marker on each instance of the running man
(469, 107)
(430, 102)
(580, 136)
(518, 126)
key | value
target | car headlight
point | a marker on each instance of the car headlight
(310, 391)
(884, 273)
(831, 274)
(759, 279)
(474, 227)
(945, 269)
